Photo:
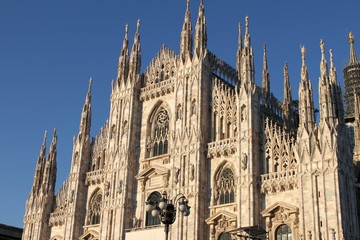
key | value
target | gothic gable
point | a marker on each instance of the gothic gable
(161, 68)
(221, 215)
(153, 172)
(279, 205)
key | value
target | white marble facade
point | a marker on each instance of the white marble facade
(192, 124)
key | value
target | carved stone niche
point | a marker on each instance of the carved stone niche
(222, 221)
(154, 177)
(281, 213)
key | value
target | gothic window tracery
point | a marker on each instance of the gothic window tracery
(160, 133)
(154, 198)
(95, 208)
(226, 187)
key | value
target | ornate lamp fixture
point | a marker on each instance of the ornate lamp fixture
(166, 209)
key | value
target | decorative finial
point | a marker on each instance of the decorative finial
(351, 37)
(247, 21)
(303, 52)
(45, 135)
(322, 47)
(353, 58)
(54, 136)
(187, 12)
(239, 26)
(264, 48)
(138, 25)
(331, 58)
(90, 84)
(125, 41)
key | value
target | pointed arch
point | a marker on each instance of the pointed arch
(94, 207)
(157, 106)
(224, 184)
(158, 130)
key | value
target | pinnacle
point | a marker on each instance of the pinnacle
(331, 58)
(90, 84)
(322, 49)
(138, 26)
(45, 135)
(303, 53)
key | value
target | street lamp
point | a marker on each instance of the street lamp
(166, 210)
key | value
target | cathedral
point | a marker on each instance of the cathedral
(249, 165)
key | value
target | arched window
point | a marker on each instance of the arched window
(95, 208)
(160, 133)
(225, 236)
(283, 232)
(154, 198)
(226, 186)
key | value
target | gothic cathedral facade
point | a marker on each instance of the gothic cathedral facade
(192, 124)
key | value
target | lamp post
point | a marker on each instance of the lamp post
(166, 209)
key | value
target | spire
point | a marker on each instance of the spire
(200, 32)
(337, 93)
(333, 77)
(43, 146)
(85, 122)
(323, 64)
(247, 58)
(135, 57)
(326, 96)
(287, 88)
(49, 179)
(40, 164)
(287, 104)
(247, 40)
(239, 52)
(123, 66)
(304, 71)
(353, 58)
(265, 76)
(306, 102)
(53, 143)
(186, 34)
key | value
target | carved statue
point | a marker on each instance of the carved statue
(149, 143)
(176, 175)
(192, 172)
(309, 235)
(179, 112)
(120, 187)
(71, 196)
(136, 222)
(243, 114)
(216, 195)
(193, 107)
(244, 161)
(125, 128)
(107, 188)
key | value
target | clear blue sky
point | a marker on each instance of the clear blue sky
(49, 49)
